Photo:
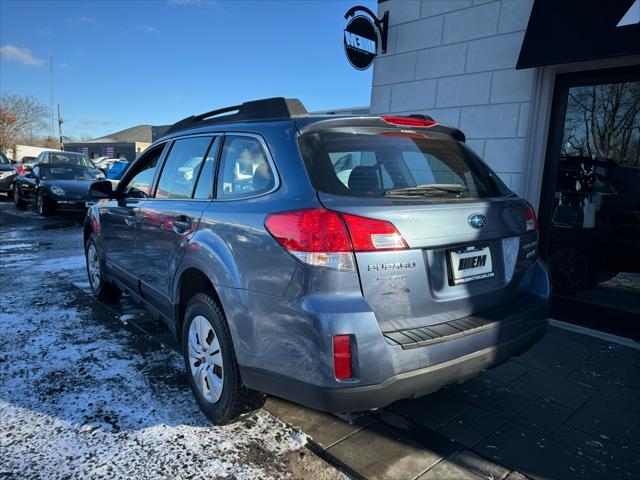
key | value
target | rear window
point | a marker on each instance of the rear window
(393, 163)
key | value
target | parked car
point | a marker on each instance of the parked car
(62, 186)
(343, 285)
(117, 169)
(8, 173)
(104, 163)
(28, 162)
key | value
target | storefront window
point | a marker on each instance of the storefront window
(595, 224)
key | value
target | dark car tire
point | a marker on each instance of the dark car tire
(105, 291)
(43, 206)
(571, 270)
(17, 201)
(235, 398)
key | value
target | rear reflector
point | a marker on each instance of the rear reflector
(530, 221)
(342, 356)
(409, 122)
(369, 234)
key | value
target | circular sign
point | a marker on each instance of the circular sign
(360, 42)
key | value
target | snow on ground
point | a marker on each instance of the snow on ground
(83, 396)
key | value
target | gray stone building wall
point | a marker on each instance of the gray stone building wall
(455, 60)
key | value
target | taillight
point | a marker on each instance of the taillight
(369, 234)
(530, 221)
(316, 236)
(20, 169)
(324, 238)
(409, 121)
(342, 356)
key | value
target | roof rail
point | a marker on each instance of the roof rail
(276, 108)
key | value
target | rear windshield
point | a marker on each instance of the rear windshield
(393, 163)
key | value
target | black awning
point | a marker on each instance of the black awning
(563, 31)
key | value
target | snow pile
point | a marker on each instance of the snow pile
(80, 396)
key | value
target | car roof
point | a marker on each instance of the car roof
(253, 115)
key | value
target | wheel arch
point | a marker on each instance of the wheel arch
(190, 281)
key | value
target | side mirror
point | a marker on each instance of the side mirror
(102, 189)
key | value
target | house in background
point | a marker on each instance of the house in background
(127, 143)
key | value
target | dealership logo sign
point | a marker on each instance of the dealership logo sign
(361, 37)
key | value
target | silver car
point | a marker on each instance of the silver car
(342, 262)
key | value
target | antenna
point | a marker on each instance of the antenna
(52, 133)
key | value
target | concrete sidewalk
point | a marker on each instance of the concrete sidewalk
(567, 409)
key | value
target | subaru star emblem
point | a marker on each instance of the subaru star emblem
(477, 220)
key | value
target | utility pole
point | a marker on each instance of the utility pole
(60, 122)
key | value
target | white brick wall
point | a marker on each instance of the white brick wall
(455, 60)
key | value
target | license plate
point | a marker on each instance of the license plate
(471, 263)
(89, 204)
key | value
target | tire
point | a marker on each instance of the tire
(43, 207)
(571, 270)
(229, 398)
(105, 291)
(17, 201)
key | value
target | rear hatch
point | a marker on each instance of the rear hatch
(467, 238)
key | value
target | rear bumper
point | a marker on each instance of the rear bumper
(517, 330)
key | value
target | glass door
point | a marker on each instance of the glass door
(590, 204)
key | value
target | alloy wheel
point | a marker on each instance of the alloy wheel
(93, 264)
(205, 359)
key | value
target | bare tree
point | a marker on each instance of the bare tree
(20, 118)
(8, 127)
(604, 121)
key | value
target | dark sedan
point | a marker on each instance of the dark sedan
(56, 187)
(7, 173)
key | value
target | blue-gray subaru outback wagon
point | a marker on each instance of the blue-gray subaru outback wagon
(341, 262)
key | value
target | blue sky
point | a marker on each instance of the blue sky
(122, 63)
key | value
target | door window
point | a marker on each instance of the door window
(244, 169)
(142, 182)
(182, 167)
(204, 187)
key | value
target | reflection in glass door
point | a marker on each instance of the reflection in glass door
(595, 223)
(591, 193)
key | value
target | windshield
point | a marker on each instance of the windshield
(68, 158)
(3, 158)
(68, 173)
(378, 163)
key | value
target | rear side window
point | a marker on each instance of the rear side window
(376, 163)
(182, 167)
(244, 169)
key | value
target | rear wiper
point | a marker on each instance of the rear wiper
(429, 189)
